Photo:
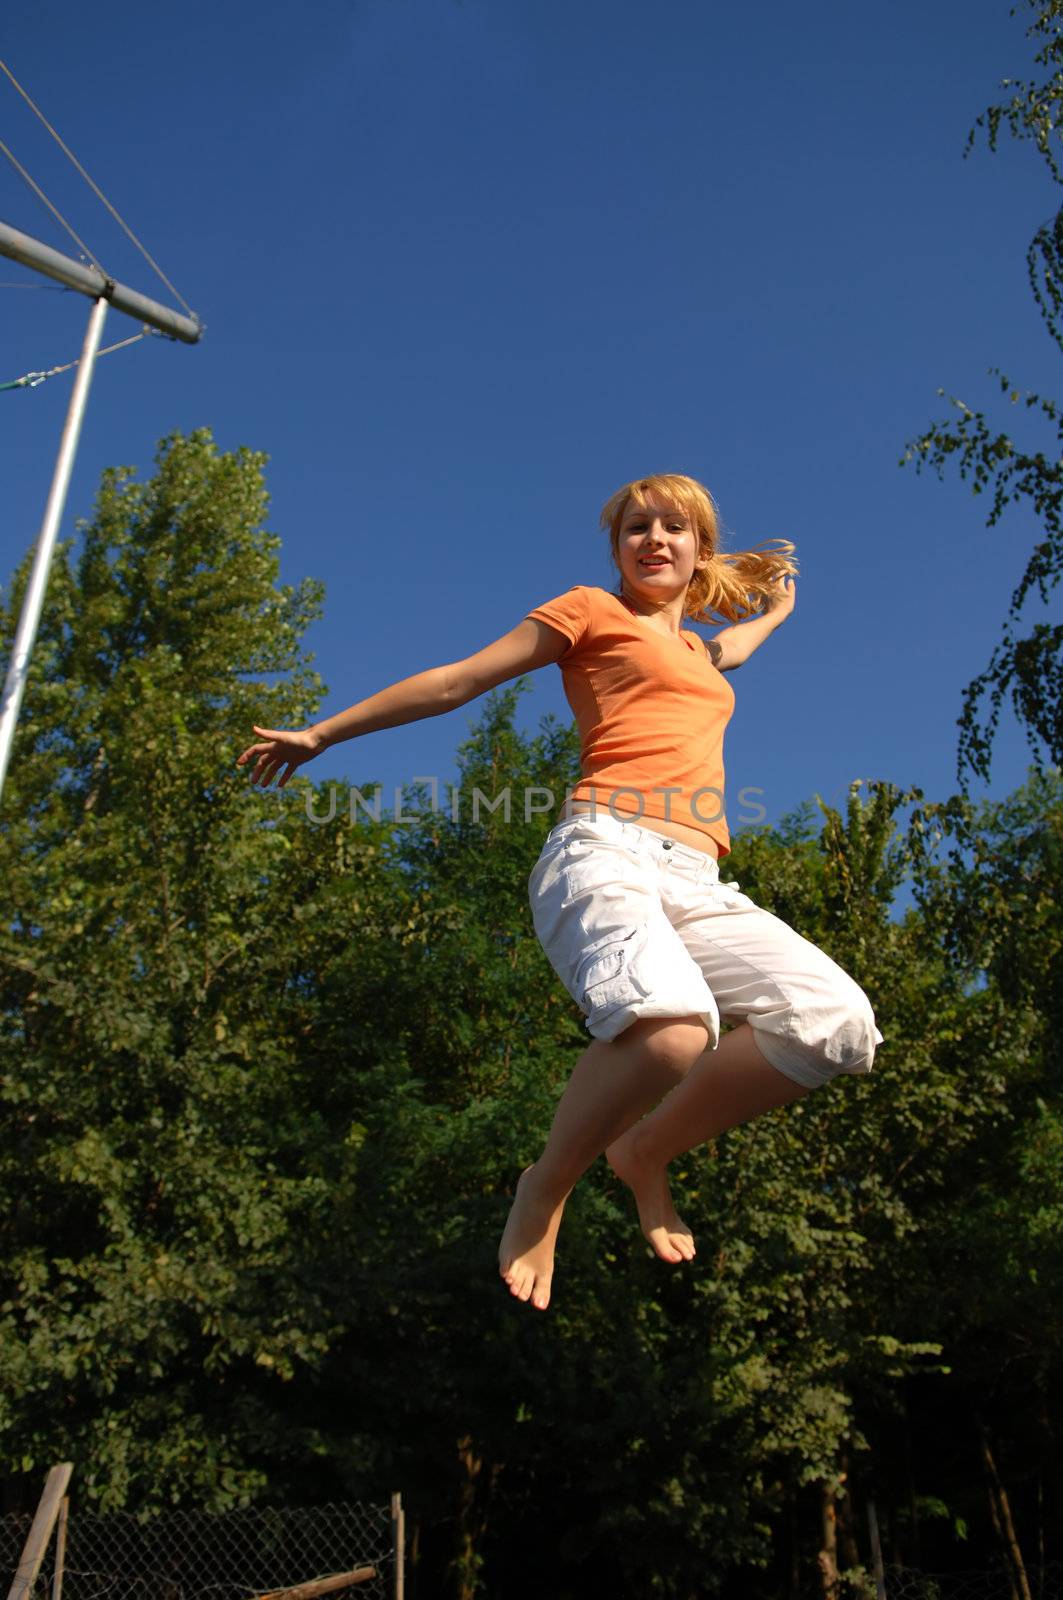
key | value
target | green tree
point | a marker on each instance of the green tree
(656, 1427)
(151, 1170)
(987, 880)
(269, 1075)
(1028, 664)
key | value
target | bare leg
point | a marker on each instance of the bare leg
(727, 1086)
(611, 1087)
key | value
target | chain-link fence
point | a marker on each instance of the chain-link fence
(188, 1555)
(1043, 1581)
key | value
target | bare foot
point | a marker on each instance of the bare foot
(663, 1227)
(526, 1254)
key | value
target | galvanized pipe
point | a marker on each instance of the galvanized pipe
(76, 275)
(18, 670)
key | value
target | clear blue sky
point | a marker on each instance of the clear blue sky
(467, 265)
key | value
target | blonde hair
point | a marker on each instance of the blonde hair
(732, 585)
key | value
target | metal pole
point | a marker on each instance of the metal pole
(18, 669)
(77, 275)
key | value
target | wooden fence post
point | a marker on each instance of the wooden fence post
(60, 1548)
(876, 1551)
(828, 1555)
(1000, 1512)
(398, 1547)
(55, 1486)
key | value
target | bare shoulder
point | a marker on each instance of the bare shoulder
(525, 648)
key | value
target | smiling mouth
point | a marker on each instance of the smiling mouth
(653, 561)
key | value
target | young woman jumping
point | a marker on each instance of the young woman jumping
(626, 896)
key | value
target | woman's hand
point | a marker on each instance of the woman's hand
(784, 593)
(292, 747)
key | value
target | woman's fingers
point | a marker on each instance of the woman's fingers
(262, 766)
(283, 762)
(282, 752)
(253, 750)
(259, 750)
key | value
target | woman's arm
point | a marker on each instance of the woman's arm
(531, 644)
(734, 645)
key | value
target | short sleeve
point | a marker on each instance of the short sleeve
(570, 614)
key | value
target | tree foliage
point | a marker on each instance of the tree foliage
(269, 1074)
(1027, 663)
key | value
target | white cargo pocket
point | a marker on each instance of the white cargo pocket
(729, 894)
(597, 866)
(606, 979)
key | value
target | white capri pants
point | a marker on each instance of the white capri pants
(638, 925)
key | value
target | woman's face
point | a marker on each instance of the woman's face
(657, 550)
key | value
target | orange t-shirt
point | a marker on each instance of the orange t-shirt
(651, 713)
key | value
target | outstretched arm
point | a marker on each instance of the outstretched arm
(734, 645)
(529, 645)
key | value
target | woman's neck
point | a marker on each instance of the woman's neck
(665, 614)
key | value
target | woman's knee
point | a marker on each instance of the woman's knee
(671, 1044)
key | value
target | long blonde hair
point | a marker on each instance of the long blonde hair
(733, 585)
